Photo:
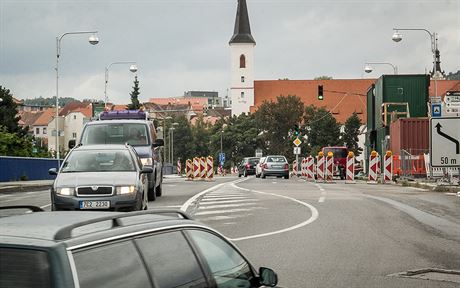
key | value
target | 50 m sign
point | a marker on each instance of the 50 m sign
(445, 142)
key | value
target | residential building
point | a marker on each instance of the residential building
(212, 96)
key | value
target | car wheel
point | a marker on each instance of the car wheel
(239, 175)
(257, 175)
(245, 174)
(286, 176)
(146, 202)
(159, 189)
(263, 175)
(151, 194)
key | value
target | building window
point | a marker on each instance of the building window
(74, 135)
(242, 94)
(74, 117)
(242, 79)
(242, 61)
(37, 131)
(44, 130)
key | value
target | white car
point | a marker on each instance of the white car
(258, 167)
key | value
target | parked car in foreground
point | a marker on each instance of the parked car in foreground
(109, 177)
(154, 248)
(259, 166)
(248, 166)
(275, 165)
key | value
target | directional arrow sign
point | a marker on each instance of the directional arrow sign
(445, 142)
(436, 110)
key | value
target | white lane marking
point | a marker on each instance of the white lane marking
(209, 201)
(168, 206)
(204, 207)
(274, 182)
(193, 199)
(6, 195)
(321, 189)
(225, 197)
(44, 206)
(221, 212)
(313, 217)
(321, 199)
(223, 217)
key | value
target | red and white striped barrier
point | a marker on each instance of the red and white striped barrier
(202, 168)
(189, 169)
(373, 168)
(388, 168)
(196, 168)
(329, 167)
(294, 168)
(209, 168)
(179, 168)
(350, 169)
(219, 170)
(309, 168)
(320, 167)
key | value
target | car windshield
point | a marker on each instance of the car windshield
(338, 152)
(116, 133)
(98, 161)
(276, 159)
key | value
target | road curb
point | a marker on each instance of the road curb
(24, 188)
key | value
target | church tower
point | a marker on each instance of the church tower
(242, 62)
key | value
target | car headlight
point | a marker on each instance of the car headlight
(66, 191)
(146, 161)
(126, 190)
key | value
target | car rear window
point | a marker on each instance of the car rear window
(277, 159)
(253, 160)
(22, 268)
(338, 152)
(116, 133)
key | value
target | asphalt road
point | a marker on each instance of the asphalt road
(322, 235)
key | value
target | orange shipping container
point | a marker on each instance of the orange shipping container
(410, 134)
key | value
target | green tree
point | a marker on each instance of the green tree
(323, 78)
(135, 96)
(13, 144)
(8, 113)
(351, 132)
(276, 121)
(201, 138)
(453, 76)
(183, 139)
(322, 129)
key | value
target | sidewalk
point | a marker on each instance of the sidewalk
(18, 186)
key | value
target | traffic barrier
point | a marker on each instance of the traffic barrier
(309, 168)
(350, 172)
(302, 167)
(179, 168)
(202, 168)
(294, 168)
(209, 168)
(219, 170)
(388, 168)
(196, 168)
(320, 167)
(329, 167)
(189, 169)
(373, 167)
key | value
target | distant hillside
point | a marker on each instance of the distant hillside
(40, 101)
(453, 76)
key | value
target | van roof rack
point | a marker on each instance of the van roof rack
(66, 232)
(123, 114)
(30, 207)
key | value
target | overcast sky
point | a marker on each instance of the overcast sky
(182, 45)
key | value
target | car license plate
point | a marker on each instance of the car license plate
(94, 204)
(277, 166)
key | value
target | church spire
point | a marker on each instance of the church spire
(242, 32)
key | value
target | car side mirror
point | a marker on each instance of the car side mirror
(52, 171)
(158, 143)
(147, 170)
(267, 277)
(72, 143)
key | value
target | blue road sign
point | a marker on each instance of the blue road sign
(436, 110)
(222, 158)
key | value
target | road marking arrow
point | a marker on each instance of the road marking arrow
(457, 144)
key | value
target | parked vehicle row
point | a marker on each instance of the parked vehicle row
(271, 165)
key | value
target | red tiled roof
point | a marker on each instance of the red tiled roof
(72, 106)
(341, 96)
(45, 117)
(28, 118)
(196, 103)
(443, 86)
(206, 119)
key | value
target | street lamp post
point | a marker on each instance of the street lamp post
(397, 37)
(368, 68)
(93, 40)
(132, 68)
(171, 130)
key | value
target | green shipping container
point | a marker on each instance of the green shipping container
(412, 89)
